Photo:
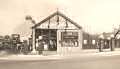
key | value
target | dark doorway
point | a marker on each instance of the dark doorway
(49, 36)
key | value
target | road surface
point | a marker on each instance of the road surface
(98, 62)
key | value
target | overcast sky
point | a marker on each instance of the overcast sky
(95, 16)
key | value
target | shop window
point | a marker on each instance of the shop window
(69, 39)
(93, 42)
(85, 41)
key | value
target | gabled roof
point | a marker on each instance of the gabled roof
(60, 14)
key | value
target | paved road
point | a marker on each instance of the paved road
(100, 62)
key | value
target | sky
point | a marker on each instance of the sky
(95, 16)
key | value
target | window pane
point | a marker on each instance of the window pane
(85, 41)
(93, 42)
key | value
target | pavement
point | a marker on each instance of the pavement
(85, 53)
(87, 59)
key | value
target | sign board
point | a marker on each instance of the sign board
(69, 35)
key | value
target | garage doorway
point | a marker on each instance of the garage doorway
(49, 36)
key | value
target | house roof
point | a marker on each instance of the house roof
(106, 35)
(60, 14)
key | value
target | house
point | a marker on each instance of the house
(89, 41)
(57, 33)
